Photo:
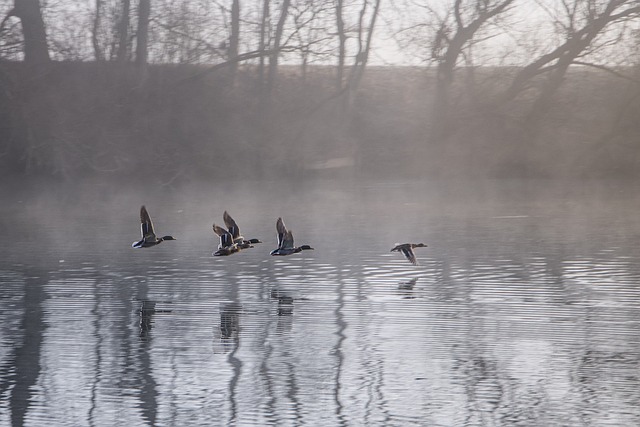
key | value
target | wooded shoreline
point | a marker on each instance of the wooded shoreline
(182, 122)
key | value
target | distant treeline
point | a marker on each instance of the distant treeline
(175, 123)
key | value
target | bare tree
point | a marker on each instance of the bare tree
(455, 32)
(142, 39)
(102, 22)
(275, 49)
(342, 44)
(582, 23)
(185, 31)
(264, 19)
(35, 37)
(234, 40)
(364, 38)
(123, 32)
(95, 42)
(310, 35)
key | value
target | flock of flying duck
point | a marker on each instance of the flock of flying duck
(231, 241)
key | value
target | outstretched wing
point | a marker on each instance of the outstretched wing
(146, 224)
(409, 254)
(233, 228)
(282, 232)
(287, 241)
(226, 240)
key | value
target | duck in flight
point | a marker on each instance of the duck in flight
(234, 230)
(407, 250)
(149, 237)
(230, 239)
(226, 246)
(285, 241)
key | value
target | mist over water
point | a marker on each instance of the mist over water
(475, 127)
(523, 310)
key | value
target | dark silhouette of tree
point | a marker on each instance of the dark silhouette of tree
(275, 50)
(95, 29)
(450, 40)
(342, 45)
(584, 21)
(364, 37)
(234, 40)
(123, 32)
(35, 36)
(362, 33)
(262, 42)
(142, 39)
(311, 36)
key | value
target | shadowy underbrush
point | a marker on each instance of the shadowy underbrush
(179, 123)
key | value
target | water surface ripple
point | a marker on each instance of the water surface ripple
(524, 309)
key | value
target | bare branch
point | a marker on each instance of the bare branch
(608, 70)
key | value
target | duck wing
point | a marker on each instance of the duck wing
(233, 228)
(409, 254)
(146, 224)
(287, 241)
(226, 239)
(282, 232)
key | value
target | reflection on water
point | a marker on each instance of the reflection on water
(285, 302)
(524, 310)
(230, 321)
(147, 311)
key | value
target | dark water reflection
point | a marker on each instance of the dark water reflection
(524, 310)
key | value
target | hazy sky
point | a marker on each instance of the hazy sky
(527, 29)
(402, 35)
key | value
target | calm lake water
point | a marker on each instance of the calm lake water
(524, 310)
